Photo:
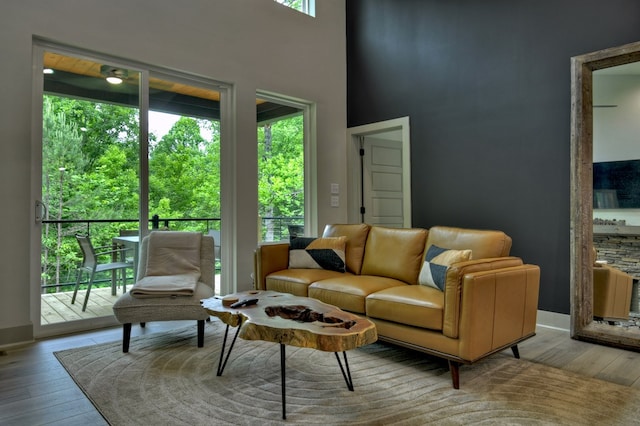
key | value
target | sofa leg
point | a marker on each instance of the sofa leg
(126, 336)
(516, 351)
(454, 367)
(200, 333)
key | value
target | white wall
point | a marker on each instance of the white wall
(253, 44)
(616, 129)
(616, 123)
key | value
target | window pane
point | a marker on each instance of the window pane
(184, 155)
(304, 6)
(90, 172)
(280, 170)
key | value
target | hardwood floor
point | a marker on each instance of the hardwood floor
(36, 390)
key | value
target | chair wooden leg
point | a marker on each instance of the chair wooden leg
(516, 351)
(200, 333)
(454, 367)
(126, 337)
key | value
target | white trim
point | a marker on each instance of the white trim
(310, 153)
(36, 185)
(228, 198)
(353, 164)
(554, 320)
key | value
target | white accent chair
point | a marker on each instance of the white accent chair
(129, 309)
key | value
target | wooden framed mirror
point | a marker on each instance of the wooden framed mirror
(583, 326)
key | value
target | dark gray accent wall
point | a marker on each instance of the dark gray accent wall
(486, 85)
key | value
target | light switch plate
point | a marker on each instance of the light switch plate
(335, 201)
(335, 188)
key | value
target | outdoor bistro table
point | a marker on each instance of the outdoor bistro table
(291, 320)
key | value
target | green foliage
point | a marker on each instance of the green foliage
(281, 168)
(97, 147)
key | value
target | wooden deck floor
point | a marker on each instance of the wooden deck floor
(57, 307)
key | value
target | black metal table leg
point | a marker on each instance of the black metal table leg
(282, 376)
(221, 365)
(347, 374)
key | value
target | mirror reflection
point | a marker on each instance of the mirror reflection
(616, 196)
(604, 218)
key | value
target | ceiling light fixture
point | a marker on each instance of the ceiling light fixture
(47, 71)
(112, 74)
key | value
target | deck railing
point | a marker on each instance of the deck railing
(61, 254)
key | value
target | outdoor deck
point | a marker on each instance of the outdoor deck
(57, 307)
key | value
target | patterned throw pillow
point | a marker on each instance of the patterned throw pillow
(437, 261)
(317, 253)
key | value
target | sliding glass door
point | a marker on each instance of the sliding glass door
(124, 149)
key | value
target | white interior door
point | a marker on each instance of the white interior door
(379, 176)
(382, 179)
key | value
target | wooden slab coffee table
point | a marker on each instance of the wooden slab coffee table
(292, 320)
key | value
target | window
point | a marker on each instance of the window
(284, 196)
(304, 6)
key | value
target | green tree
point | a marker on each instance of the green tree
(90, 153)
(281, 170)
(184, 176)
(61, 155)
(91, 168)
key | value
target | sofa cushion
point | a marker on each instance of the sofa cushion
(317, 253)
(482, 243)
(349, 292)
(356, 239)
(394, 253)
(296, 281)
(436, 263)
(414, 305)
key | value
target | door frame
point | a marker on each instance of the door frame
(227, 139)
(354, 182)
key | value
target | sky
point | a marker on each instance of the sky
(160, 123)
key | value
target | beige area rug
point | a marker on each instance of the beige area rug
(166, 380)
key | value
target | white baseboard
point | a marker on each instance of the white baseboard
(554, 320)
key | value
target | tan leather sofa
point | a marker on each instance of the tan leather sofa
(612, 290)
(611, 293)
(488, 303)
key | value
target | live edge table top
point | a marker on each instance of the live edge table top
(342, 330)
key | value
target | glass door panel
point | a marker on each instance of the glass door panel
(90, 180)
(184, 158)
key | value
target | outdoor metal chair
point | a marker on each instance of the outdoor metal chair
(91, 265)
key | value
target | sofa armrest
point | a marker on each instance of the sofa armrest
(612, 290)
(454, 287)
(499, 309)
(269, 258)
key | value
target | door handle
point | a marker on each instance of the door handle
(40, 211)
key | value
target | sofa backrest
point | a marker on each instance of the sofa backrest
(356, 239)
(483, 243)
(394, 253)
